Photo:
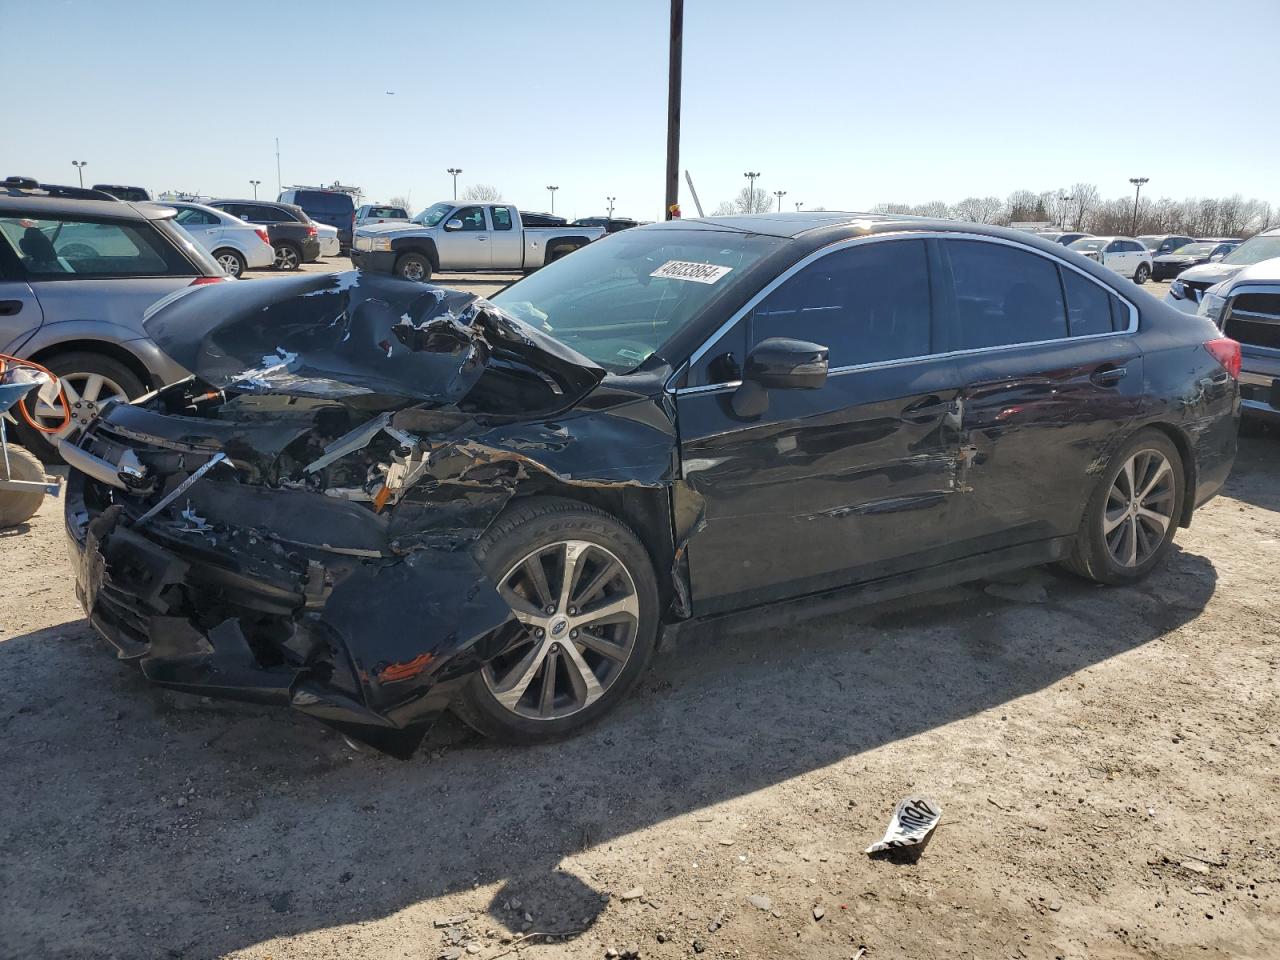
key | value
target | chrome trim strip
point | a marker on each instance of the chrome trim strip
(902, 235)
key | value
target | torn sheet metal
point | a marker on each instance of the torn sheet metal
(913, 820)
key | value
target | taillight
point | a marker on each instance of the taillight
(1227, 352)
(311, 231)
(262, 234)
(201, 281)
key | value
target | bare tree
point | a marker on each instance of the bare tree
(747, 201)
(401, 202)
(979, 209)
(481, 193)
(1084, 198)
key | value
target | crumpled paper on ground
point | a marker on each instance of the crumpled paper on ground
(913, 820)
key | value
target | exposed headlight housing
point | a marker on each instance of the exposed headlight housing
(1211, 306)
(1177, 289)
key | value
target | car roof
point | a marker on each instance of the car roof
(61, 207)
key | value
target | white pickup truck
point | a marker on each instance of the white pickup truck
(466, 237)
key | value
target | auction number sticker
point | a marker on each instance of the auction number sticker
(688, 270)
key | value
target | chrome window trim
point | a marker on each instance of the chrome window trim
(887, 237)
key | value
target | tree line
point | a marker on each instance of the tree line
(1081, 207)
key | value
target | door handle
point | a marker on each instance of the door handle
(482, 239)
(924, 410)
(10, 308)
(1109, 376)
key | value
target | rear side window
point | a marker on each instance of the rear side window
(190, 217)
(865, 304)
(1003, 295)
(501, 217)
(1090, 308)
(259, 213)
(56, 249)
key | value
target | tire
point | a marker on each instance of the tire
(1096, 551)
(536, 532)
(1142, 274)
(288, 256)
(78, 370)
(415, 267)
(16, 506)
(231, 261)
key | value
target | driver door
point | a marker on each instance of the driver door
(831, 486)
(468, 247)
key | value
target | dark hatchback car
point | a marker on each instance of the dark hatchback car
(290, 231)
(378, 500)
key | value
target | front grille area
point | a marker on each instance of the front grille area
(1195, 289)
(1254, 319)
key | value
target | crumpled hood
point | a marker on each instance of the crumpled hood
(344, 335)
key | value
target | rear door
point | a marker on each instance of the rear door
(1051, 376)
(506, 244)
(827, 487)
(467, 248)
(20, 313)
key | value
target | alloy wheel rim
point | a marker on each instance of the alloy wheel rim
(229, 264)
(1139, 508)
(86, 393)
(579, 614)
(286, 259)
(412, 271)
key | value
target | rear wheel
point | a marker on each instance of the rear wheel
(89, 380)
(1130, 520)
(583, 592)
(414, 266)
(288, 257)
(1142, 274)
(230, 261)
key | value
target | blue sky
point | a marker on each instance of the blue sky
(843, 104)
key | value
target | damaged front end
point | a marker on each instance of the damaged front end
(292, 524)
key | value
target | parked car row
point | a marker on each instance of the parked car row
(1150, 256)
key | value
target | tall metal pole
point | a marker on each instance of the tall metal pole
(453, 172)
(1137, 189)
(611, 199)
(279, 182)
(751, 190)
(80, 165)
(552, 191)
(779, 194)
(255, 188)
(1063, 200)
(673, 109)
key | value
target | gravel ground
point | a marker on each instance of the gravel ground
(1105, 760)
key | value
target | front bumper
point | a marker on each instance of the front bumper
(375, 649)
(374, 261)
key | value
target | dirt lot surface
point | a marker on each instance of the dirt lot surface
(1106, 761)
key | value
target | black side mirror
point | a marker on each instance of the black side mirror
(778, 363)
(781, 363)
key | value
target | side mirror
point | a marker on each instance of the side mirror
(778, 363)
(781, 363)
(454, 224)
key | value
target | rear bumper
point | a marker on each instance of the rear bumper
(311, 250)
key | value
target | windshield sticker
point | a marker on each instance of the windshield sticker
(688, 270)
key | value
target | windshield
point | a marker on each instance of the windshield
(1150, 243)
(616, 301)
(433, 214)
(1193, 250)
(1251, 251)
(1089, 243)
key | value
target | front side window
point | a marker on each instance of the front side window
(64, 249)
(472, 218)
(866, 304)
(1003, 295)
(501, 217)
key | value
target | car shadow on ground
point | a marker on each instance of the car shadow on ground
(1253, 479)
(202, 827)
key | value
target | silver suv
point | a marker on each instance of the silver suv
(77, 270)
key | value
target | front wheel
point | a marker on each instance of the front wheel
(415, 267)
(1130, 520)
(232, 264)
(585, 602)
(1142, 274)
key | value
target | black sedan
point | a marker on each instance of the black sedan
(1169, 265)
(377, 500)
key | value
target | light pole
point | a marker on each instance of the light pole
(552, 191)
(453, 172)
(799, 204)
(1064, 200)
(80, 165)
(779, 194)
(611, 199)
(751, 190)
(1137, 189)
(255, 188)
